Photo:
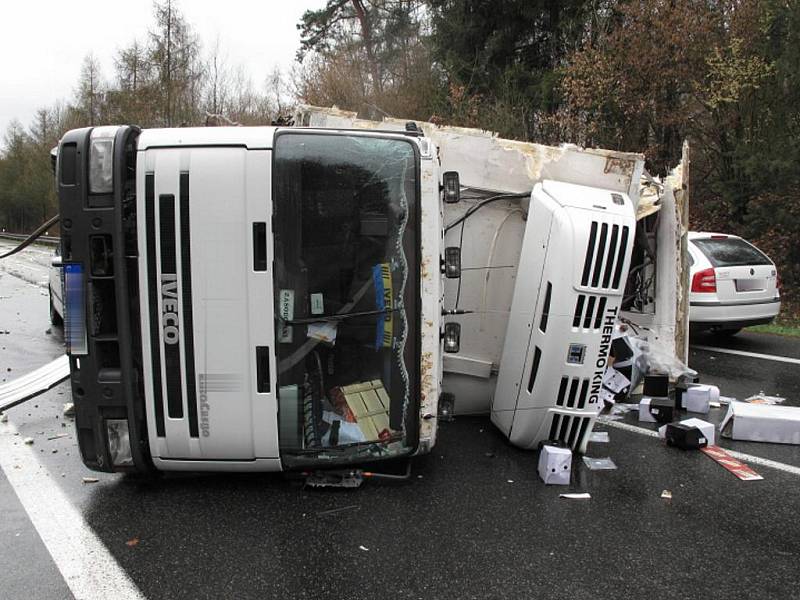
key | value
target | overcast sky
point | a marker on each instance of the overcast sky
(43, 42)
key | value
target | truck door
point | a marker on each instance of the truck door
(206, 305)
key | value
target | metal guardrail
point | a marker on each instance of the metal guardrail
(44, 239)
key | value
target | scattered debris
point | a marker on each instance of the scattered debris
(132, 542)
(555, 464)
(334, 511)
(599, 464)
(89, 480)
(600, 437)
(762, 423)
(28, 441)
(685, 436)
(32, 384)
(738, 468)
(666, 495)
(656, 384)
(69, 409)
(364, 548)
(655, 410)
(762, 398)
(339, 479)
(615, 381)
(576, 496)
(57, 436)
(706, 429)
(698, 397)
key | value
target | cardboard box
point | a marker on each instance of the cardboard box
(698, 397)
(708, 429)
(762, 423)
(685, 437)
(644, 411)
(555, 465)
(656, 386)
(655, 410)
(366, 404)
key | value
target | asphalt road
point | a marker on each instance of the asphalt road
(474, 521)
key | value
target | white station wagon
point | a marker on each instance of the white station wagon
(733, 284)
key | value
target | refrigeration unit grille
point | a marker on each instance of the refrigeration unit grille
(569, 429)
(605, 256)
(572, 392)
(589, 311)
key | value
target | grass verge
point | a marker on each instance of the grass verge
(776, 329)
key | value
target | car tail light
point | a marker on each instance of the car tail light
(704, 281)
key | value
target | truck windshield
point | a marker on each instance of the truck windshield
(346, 293)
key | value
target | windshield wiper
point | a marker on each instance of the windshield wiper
(338, 317)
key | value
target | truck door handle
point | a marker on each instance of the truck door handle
(259, 246)
(262, 370)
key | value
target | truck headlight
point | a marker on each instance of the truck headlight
(119, 442)
(101, 160)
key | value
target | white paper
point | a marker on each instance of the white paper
(317, 304)
(607, 396)
(615, 381)
(324, 332)
(599, 464)
(286, 311)
(581, 496)
(599, 436)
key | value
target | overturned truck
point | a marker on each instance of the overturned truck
(313, 296)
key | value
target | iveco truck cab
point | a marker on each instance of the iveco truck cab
(251, 299)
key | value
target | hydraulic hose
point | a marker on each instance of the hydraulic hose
(32, 237)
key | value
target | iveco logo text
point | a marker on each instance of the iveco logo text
(169, 299)
(602, 356)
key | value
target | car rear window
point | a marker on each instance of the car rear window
(731, 252)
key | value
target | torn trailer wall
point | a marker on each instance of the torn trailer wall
(491, 240)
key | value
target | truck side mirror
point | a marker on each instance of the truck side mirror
(452, 262)
(451, 186)
(452, 337)
(53, 159)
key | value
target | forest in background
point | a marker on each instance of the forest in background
(634, 75)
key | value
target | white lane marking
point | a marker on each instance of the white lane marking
(85, 563)
(756, 460)
(786, 359)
